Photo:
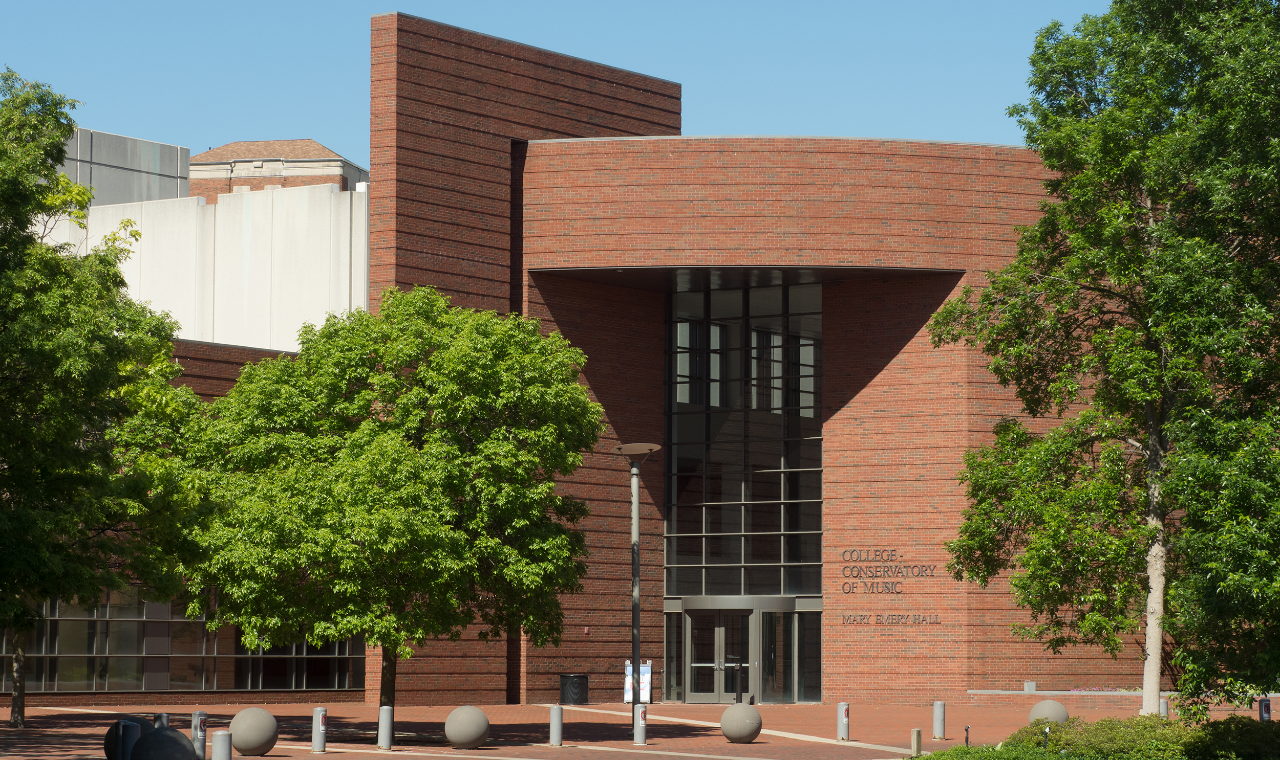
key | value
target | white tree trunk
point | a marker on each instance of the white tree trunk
(1155, 563)
(1155, 626)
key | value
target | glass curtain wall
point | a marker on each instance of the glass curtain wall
(127, 644)
(744, 390)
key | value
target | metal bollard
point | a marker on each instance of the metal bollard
(939, 720)
(127, 733)
(638, 714)
(221, 745)
(842, 722)
(161, 721)
(199, 722)
(386, 726)
(915, 742)
(1164, 709)
(319, 717)
(966, 736)
(557, 726)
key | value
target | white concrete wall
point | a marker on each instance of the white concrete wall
(250, 270)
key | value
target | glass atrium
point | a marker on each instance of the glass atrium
(744, 493)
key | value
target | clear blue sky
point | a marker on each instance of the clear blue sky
(205, 74)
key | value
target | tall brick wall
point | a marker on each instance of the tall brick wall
(899, 227)
(615, 327)
(446, 105)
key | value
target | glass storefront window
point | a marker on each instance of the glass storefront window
(673, 670)
(124, 673)
(808, 656)
(791, 656)
(777, 658)
(124, 643)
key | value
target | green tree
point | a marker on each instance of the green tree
(78, 361)
(396, 480)
(1142, 306)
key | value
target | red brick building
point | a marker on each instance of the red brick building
(258, 165)
(756, 305)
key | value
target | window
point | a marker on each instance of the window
(744, 430)
(791, 656)
(127, 644)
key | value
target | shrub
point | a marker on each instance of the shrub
(1145, 737)
(1235, 738)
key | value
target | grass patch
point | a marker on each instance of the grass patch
(1146, 737)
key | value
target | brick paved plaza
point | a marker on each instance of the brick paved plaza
(520, 731)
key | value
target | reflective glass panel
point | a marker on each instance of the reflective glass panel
(75, 673)
(124, 673)
(744, 369)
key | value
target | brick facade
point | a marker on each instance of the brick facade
(210, 369)
(210, 189)
(446, 106)
(897, 227)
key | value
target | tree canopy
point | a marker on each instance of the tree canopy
(396, 480)
(1142, 307)
(86, 501)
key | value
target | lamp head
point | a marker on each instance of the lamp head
(635, 451)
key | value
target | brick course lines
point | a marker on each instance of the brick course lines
(210, 369)
(621, 331)
(898, 413)
(446, 104)
(775, 201)
(210, 189)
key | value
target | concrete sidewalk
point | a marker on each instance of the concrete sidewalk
(519, 732)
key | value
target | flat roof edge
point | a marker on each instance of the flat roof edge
(779, 137)
(531, 47)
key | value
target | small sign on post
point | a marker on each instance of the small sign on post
(646, 683)
(627, 696)
(199, 722)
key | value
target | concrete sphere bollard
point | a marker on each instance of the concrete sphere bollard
(109, 742)
(741, 723)
(1049, 710)
(253, 731)
(164, 744)
(466, 727)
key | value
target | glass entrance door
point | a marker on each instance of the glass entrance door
(719, 654)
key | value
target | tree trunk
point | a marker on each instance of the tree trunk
(387, 692)
(1155, 566)
(1155, 622)
(18, 707)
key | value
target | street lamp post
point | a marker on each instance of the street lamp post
(636, 453)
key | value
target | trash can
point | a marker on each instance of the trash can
(573, 689)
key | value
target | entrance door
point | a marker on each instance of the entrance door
(719, 642)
